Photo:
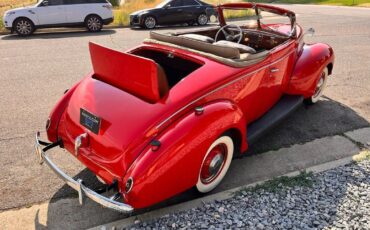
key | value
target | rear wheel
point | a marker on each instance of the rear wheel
(150, 22)
(202, 19)
(320, 86)
(94, 23)
(24, 27)
(215, 164)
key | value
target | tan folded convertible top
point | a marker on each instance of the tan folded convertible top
(226, 55)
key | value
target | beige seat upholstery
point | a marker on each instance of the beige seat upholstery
(221, 51)
(198, 37)
(242, 48)
(163, 86)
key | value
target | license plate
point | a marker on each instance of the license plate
(90, 121)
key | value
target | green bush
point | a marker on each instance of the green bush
(1, 24)
(114, 2)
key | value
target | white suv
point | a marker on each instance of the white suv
(92, 14)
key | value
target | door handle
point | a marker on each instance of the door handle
(274, 70)
(179, 10)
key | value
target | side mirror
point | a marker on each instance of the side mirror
(310, 32)
(45, 3)
(167, 6)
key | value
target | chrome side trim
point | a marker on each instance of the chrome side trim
(78, 185)
(219, 88)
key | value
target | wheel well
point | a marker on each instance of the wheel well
(92, 15)
(151, 15)
(330, 68)
(23, 18)
(236, 135)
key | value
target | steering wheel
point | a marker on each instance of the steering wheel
(230, 36)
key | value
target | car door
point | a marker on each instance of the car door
(191, 10)
(51, 12)
(172, 13)
(278, 73)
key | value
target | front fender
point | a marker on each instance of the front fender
(174, 167)
(309, 66)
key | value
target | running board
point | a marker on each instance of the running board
(285, 106)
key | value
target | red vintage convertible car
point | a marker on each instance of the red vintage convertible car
(171, 113)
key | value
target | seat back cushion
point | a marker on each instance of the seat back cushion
(198, 37)
(242, 48)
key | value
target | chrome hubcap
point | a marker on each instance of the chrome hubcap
(150, 22)
(319, 87)
(94, 24)
(213, 164)
(202, 20)
(24, 27)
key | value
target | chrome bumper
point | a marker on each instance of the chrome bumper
(77, 185)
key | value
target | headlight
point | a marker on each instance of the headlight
(10, 13)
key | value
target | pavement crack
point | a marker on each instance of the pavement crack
(360, 145)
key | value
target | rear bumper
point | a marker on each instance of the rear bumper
(77, 184)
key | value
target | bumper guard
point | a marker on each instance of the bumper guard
(77, 185)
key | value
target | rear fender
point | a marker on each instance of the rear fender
(309, 66)
(57, 112)
(174, 167)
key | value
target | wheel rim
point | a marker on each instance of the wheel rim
(150, 22)
(213, 163)
(202, 19)
(320, 87)
(24, 27)
(94, 24)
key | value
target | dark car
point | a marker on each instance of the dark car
(172, 12)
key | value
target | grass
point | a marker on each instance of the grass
(303, 179)
(363, 155)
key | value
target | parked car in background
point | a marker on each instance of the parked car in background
(92, 14)
(172, 12)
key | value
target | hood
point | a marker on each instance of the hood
(143, 11)
(15, 10)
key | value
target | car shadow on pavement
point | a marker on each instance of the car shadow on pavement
(326, 118)
(59, 33)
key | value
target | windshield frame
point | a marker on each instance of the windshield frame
(258, 8)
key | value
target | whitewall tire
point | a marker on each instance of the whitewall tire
(320, 86)
(215, 165)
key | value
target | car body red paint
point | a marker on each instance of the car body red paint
(230, 98)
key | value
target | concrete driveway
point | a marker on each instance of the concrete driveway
(34, 73)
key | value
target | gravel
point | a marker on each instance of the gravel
(338, 199)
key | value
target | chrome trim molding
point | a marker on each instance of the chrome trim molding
(78, 185)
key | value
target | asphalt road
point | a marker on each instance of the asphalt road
(34, 73)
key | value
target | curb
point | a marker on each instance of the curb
(120, 224)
